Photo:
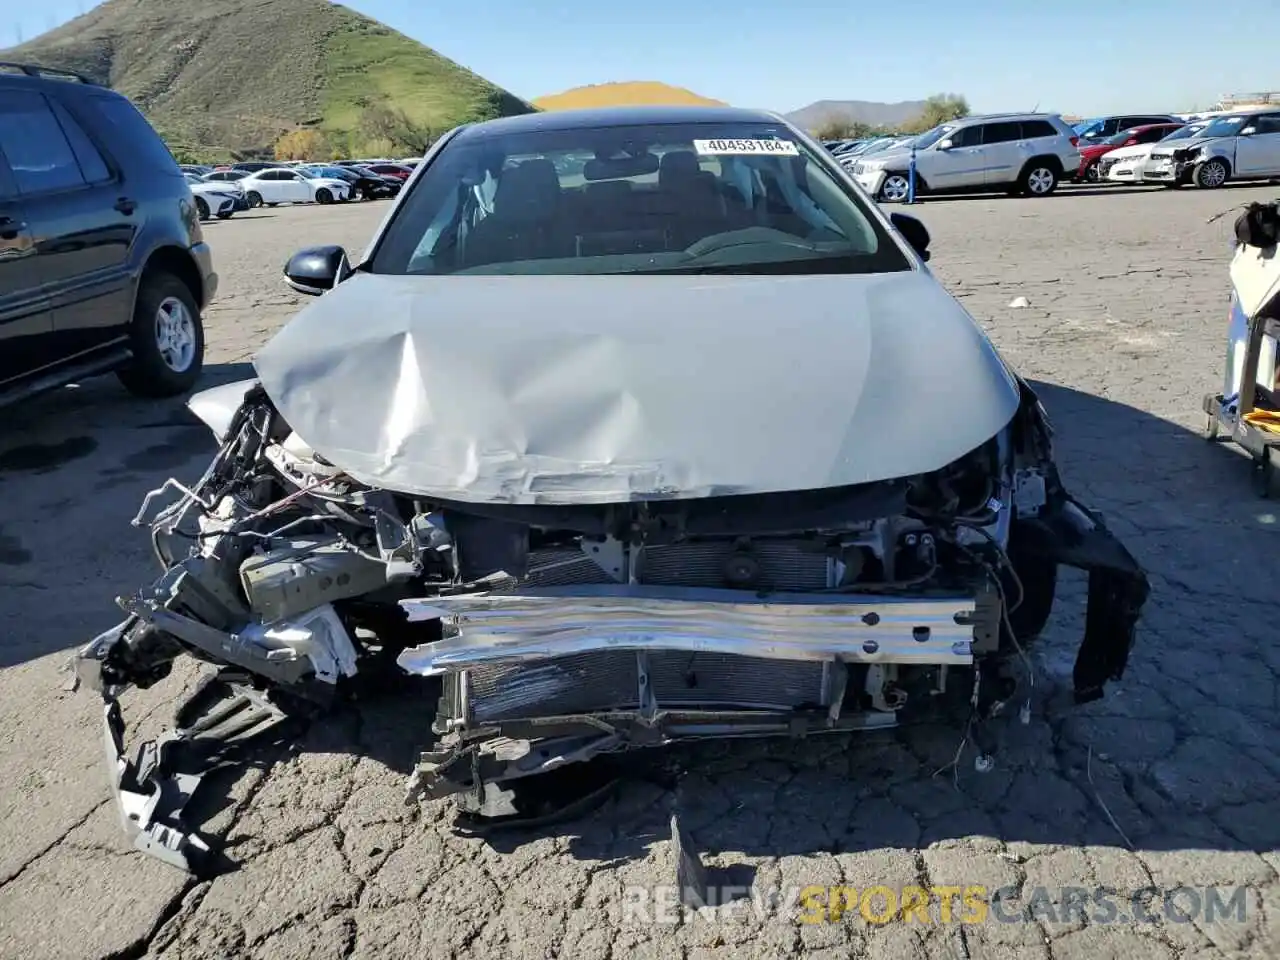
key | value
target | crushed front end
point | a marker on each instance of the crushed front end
(563, 633)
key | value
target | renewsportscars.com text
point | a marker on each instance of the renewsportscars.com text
(972, 904)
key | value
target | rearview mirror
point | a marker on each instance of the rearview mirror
(314, 270)
(946, 144)
(913, 231)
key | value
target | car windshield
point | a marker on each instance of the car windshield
(1224, 126)
(659, 198)
(1119, 138)
(930, 137)
(1182, 133)
(192, 178)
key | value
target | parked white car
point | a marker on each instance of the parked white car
(1237, 146)
(1127, 164)
(282, 185)
(219, 200)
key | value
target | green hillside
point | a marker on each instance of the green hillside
(216, 76)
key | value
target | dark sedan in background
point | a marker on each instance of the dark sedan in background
(364, 184)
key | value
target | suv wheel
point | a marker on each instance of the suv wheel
(1038, 180)
(167, 337)
(895, 188)
(1210, 175)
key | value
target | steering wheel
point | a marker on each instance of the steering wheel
(750, 236)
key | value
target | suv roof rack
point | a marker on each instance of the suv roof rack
(35, 70)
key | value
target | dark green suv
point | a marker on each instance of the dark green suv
(102, 263)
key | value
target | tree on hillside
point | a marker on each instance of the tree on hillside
(939, 108)
(301, 145)
(388, 125)
(847, 130)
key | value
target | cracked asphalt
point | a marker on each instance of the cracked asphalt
(1171, 781)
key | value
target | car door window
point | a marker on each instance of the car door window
(1152, 135)
(1032, 129)
(38, 152)
(1006, 132)
(93, 166)
(1267, 124)
(967, 137)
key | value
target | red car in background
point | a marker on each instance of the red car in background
(399, 171)
(1091, 154)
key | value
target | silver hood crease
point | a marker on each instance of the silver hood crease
(558, 390)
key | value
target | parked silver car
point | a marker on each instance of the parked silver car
(752, 472)
(1238, 146)
(1027, 153)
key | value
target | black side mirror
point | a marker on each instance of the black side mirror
(913, 231)
(316, 269)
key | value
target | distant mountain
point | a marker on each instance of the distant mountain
(823, 112)
(215, 76)
(625, 94)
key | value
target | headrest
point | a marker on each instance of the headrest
(678, 166)
(528, 190)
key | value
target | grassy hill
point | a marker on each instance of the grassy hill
(221, 75)
(622, 95)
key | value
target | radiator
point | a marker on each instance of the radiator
(787, 565)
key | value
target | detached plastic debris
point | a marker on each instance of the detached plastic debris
(1019, 303)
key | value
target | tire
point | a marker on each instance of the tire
(224, 216)
(1038, 179)
(273, 205)
(254, 198)
(895, 188)
(1211, 174)
(164, 313)
(324, 196)
(1091, 173)
(202, 209)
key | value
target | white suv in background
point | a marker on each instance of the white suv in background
(1022, 153)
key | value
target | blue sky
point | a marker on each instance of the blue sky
(1085, 58)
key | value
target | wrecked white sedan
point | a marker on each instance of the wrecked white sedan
(631, 427)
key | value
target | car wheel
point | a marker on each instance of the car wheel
(1210, 175)
(254, 198)
(324, 196)
(167, 339)
(1038, 180)
(202, 209)
(1091, 173)
(895, 189)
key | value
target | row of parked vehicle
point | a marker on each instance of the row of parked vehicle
(1030, 154)
(221, 191)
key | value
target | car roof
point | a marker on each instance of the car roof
(987, 117)
(36, 77)
(614, 117)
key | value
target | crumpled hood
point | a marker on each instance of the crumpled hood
(581, 390)
(1166, 149)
